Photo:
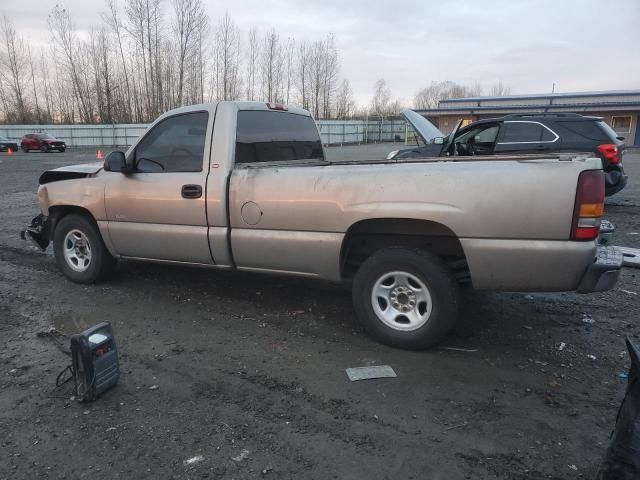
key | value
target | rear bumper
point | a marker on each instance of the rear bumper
(603, 273)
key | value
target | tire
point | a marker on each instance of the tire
(93, 262)
(424, 291)
(24, 149)
(44, 148)
(61, 150)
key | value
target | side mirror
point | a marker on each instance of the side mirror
(438, 141)
(115, 162)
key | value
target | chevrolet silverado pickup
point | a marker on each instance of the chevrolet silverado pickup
(247, 186)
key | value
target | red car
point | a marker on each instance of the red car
(41, 141)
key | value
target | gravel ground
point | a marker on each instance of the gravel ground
(245, 373)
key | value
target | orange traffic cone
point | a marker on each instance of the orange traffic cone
(9, 151)
(99, 155)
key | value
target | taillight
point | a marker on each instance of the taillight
(609, 152)
(277, 106)
(589, 205)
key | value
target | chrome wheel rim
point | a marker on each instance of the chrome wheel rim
(401, 301)
(77, 251)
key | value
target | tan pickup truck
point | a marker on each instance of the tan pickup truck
(246, 186)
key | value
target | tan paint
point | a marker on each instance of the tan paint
(512, 215)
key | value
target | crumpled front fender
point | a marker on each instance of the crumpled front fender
(38, 232)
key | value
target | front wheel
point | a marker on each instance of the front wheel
(79, 250)
(406, 298)
(61, 149)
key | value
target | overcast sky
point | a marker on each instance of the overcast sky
(526, 44)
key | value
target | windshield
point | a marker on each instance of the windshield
(46, 136)
(423, 127)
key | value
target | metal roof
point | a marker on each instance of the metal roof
(595, 94)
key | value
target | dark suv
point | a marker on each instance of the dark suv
(524, 133)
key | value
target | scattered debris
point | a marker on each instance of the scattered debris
(244, 454)
(154, 387)
(628, 292)
(463, 424)
(110, 429)
(456, 349)
(623, 376)
(573, 467)
(587, 319)
(630, 256)
(192, 460)
(266, 470)
(366, 373)
(529, 297)
(562, 345)
(591, 357)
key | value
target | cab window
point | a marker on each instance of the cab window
(266, 136)
(176, 144)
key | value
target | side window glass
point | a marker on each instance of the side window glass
(488, 135)
(174, 145)
(519, 132)
(265, 136)
(547, 136)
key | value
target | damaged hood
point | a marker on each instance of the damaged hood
(423, 127)
(70, 172)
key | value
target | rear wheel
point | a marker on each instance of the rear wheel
(45, 148)
(406, 298)
(24, 148)
(79, 250)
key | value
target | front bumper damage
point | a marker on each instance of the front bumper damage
(38, 232)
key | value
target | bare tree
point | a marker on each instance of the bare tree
(112, 18)
(288, 59)
(271, 67)
(303, 70)
(345, 105)
(499, 89)
(253, 51)
(12, 61)
(64, 37)
(228, 59)
(187, 18)
(330, 75)
(381, 99)
(430, 97)
(33, 84)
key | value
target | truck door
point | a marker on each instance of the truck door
(158, 211)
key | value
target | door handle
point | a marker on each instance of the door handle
(191, 191)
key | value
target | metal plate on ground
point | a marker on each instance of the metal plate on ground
(367, 373)
(630, 256)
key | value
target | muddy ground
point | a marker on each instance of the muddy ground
(246, 372)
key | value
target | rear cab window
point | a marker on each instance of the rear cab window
(272, 136)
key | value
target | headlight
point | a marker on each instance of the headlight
(392, 155)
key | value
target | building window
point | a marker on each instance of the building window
(621, 124)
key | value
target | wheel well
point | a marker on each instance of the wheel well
(366, 237)
(57, 213)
